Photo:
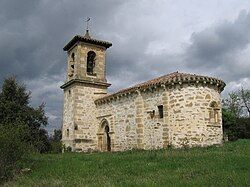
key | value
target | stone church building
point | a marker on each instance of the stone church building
(177, 109)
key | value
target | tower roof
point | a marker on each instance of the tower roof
(87, 39)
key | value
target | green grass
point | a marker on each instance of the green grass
(228, 165)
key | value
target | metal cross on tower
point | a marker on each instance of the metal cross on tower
(87, 28)
(87, 23)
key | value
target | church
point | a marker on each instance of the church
(177, 109)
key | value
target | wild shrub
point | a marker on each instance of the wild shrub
(11, 150)
(56, 147)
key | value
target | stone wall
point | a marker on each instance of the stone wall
(121, 117)
(68, 117)
(153, 125)
(190, 123)
(80, 116)
(131, 123)
(188, 118)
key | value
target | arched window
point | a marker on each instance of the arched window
(72, 65)
(106, 129)
(90, 62)
(104, 136)
(214, 112)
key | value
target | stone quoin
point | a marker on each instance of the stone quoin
(177, 109)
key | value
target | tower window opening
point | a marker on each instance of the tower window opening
(72, 65)
(90, 62)
(160, 110)
(73, 57)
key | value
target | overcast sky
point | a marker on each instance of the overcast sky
(150, 39)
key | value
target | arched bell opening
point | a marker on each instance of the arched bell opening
(91, 62)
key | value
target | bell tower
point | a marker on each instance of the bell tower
(85, 82)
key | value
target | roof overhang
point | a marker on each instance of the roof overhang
(73, 81)
(79, 38)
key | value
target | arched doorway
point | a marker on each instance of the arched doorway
(108, 139)
(104, 138)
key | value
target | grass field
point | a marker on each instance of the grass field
(213, 166)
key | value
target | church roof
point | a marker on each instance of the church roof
(86, 39)
(167, 80)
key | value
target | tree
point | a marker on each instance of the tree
(229, 121)
(245, 99)
(57, 135)
(236, 114)
(55, 141)
(232, 103)
(15, 110)
(238, 102)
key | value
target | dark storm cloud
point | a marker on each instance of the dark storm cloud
(16, 10)
(218, 49)
(32, 35)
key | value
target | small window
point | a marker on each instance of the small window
(76, 127)
(214, 112)
(160, 110)
(67, 133)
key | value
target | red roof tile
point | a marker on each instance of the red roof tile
(172, 78)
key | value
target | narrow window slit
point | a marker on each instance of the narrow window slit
(160, 110)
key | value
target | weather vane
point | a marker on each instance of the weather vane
(87, 23)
